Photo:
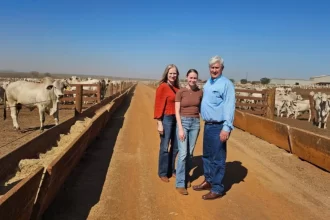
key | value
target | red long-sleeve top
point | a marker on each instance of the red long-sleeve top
(164, 101)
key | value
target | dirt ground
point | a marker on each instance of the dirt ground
(117, 177)
(29, 123)
(302, 123)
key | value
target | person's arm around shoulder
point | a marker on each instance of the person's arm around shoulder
(178, 98)
(229, 111)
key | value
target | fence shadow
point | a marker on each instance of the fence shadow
(83, 188)
(235, 172)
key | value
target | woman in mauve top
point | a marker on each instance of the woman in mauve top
(187, 108)
(166, 122)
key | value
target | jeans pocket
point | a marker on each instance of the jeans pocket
(185, 122)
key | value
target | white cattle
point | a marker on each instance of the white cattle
(279, 105)
(44, 96)
(298, 107)
(283, 102)
(322, 107)
(2, 93)
(323, 110)
(74, 79)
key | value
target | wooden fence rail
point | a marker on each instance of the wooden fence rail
(265, 105)
(79, 97)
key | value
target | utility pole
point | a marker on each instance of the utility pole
(247, 73)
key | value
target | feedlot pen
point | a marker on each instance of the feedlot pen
(30, 124)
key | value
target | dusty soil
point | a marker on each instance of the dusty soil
(302, 123)
(117, 177)
(29, 123)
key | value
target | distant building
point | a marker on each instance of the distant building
(290, 81)
(321, 80)
(324, 79)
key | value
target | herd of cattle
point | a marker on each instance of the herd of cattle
(44, 94)
(292, 104)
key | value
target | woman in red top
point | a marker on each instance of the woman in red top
(166, 121)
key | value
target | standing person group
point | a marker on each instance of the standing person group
(178, 121)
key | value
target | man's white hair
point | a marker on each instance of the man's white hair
(216, 59)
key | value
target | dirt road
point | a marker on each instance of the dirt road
(117, 178)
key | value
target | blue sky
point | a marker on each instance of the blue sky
(281, 39)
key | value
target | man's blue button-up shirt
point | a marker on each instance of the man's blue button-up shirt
(218, 103)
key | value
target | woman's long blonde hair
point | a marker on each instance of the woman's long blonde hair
(164, 76)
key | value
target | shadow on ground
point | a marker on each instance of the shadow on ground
(235, 172)
(37, 128)
(83, 188)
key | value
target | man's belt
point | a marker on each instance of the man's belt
(214, 122)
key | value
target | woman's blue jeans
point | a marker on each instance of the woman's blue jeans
(167, 156)
(191, 127)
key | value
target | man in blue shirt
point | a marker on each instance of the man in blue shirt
(217, 110)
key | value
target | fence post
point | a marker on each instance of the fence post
(79, 99)
(121, 87)
(270, 104)
(58, 110)
(115, 90)
(98, 94)
(110, 89)
(314, 118)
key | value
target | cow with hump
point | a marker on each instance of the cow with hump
(44, 96)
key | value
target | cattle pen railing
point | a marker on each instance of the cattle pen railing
(256, 105)
(80, 98)
(30, 197)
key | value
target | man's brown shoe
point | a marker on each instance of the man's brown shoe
(211, 195)
(203, 186)
(182, 190)
(165, 179)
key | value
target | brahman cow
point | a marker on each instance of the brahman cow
(44, 96)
